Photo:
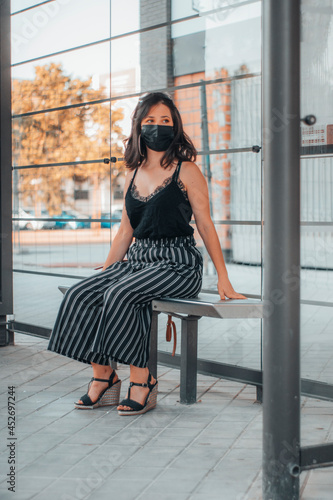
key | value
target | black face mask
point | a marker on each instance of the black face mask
(157, 137)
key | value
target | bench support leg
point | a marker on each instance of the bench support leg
(259, 393)
(152, 363)
(188, 360)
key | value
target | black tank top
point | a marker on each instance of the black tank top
(165, 213)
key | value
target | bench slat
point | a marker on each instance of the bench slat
(210, 305)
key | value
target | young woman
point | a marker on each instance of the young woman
(108, 316)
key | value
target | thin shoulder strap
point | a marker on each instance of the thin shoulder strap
(176, 174)
(132, 180)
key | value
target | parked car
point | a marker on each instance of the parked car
(116, 214)
(48, 223)
(26, 220)
(69, 220)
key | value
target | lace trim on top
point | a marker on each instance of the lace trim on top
(135, 193)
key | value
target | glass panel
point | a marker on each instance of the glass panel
(121, 23)
(236, 342)
(72, 134)
(316, 342)
(317, 189)
(17, 5)
(317, 263)
(152, 12)
(317, 192)
(233, 112)
(37, 298)
(126, 107)
(245, 186)
(188, 102)
(317, 71)
(57, 26)
(183, 9)
(62, 80)
(214, 44)
(69, 192)
(155, 59)
(125, 65)
(218, 9)
(241, 246)
(61, 250)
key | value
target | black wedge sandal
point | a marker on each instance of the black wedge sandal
(108, 397)
(138, 408)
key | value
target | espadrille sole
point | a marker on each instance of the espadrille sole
(151, 404)
(110, 398)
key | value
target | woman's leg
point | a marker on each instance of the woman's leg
(139, 394)
(103, 372)
(79, 314)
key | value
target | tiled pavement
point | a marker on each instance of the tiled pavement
(210, 450)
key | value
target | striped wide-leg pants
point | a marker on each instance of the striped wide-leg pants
(108, 316)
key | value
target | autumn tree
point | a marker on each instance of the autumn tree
(69, 134)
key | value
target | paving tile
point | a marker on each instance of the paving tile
(154, 457)
(176, 452)
(130, 473)
(18, 495)
(175, 483)
(70, 489)
(90, 466)
(121, 490)
(198, 456)
(317, 492)
(131, 436)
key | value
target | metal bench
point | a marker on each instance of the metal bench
(206, 305)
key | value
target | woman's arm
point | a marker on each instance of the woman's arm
(197, 191)
(124, 236)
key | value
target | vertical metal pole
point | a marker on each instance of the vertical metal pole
(281, 362)
(6, 264)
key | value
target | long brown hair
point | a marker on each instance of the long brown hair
(181, 148)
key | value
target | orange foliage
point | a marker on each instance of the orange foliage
(70, 134)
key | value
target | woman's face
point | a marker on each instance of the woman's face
(159, 114)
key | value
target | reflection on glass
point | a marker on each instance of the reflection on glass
(72, 134)
(188, 102)
(156, 59)
(60, 251)
(152, 12)
(225, 43)
(57, 26)
(125, 65)
(74, 196)
(121, 23)
(221, 115)
(62, 80)
(317, 71)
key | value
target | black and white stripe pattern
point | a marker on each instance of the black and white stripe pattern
(108, 316)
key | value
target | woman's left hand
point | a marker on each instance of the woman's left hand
(225, 289)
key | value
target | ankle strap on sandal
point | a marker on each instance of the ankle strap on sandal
(145, 384)
(110, 379)
(139, 385)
